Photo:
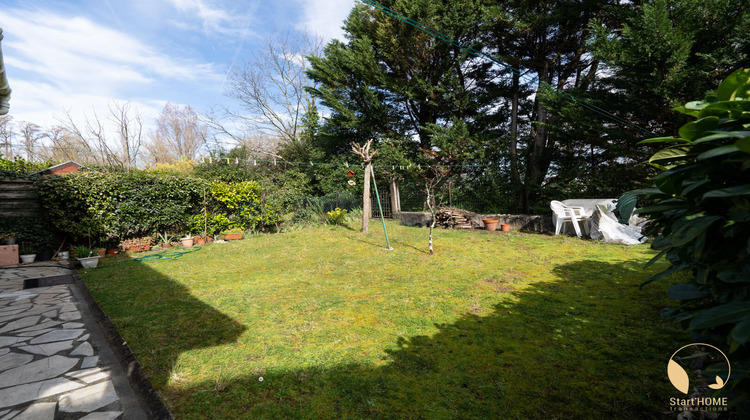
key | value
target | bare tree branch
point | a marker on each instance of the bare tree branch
(179, 133)
(6, 134)
(130, 131)
(270, 87)
(31, 134)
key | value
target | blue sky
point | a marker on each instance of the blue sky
(80, 55)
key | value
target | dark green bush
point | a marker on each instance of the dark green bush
(108, 205)
(104, 205)
(701, 215)
(32, 233)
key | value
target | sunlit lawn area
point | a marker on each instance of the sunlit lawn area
(493, 326)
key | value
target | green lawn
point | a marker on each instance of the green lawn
(493, 326)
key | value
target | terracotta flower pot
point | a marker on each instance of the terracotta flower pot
(113, 251)
(165, 245)
(505, 227)
(490, 224)
(232, 236)
(101, 252)
(186, 241)
(199, 241)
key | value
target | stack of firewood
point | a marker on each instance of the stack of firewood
(449, 217)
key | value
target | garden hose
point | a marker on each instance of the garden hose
(164, 255)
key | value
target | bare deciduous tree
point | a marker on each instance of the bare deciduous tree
(130, 130)
(92, 140)
(31, 134)
(65, 146)
(6, 134)
(433, 178)
(270, 86)
(179, 133)
(91, 136)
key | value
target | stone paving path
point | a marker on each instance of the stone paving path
(49, 368)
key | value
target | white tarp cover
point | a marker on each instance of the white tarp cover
(605, 226)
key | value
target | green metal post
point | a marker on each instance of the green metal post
(374, 185)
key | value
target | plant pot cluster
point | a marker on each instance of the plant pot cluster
(491, 225)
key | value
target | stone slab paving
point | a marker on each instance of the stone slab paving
(50, 367)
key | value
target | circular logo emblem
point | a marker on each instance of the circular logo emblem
(678, 375)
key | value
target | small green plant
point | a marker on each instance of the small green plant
(337, 216)
(233, 230)
(354, 214)
(165, 237)
(82, 251)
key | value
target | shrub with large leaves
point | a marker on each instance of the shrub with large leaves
(701, 216)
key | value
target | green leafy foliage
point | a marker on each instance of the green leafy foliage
(20, 168)
(32, 233)
(246, 202)
(337, 216)
(81, 251)
(108, 205)
(103, 205)
(701, 213)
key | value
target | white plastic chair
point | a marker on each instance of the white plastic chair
(573, 214)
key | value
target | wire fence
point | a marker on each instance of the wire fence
(411, 200)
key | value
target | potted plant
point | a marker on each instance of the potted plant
(187, 240)
(27, 254)
(165, 239)
(505, 227)
(111, 244)
(233, 234)
(9, 238)
(85, 256)
(490, 224)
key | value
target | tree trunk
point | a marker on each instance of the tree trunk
(534, 171)
(513, 143)
(395, 199)
(366, 203)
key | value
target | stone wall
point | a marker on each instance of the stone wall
(531, 223)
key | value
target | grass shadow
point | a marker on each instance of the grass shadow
(589, 345)
(170, 321)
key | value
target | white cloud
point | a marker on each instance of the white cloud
(78, 52)
(325, 17)
(214, 18)
(56, 63)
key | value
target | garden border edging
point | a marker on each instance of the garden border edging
(148, 396)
